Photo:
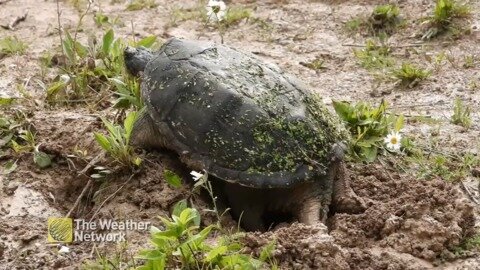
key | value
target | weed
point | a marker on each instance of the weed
(461, 114)
(470, 61)
(316, 64)
(172, 178)
(385, 18)
(181, 245)
(181, 14)
(121, 259)
(443, 17)
(235, 15)
(102, 20)
(410, 75)
(12, 45)
(141, 4)
(354, 24)
(117, 142)
(374, 56)
(369, 126)
(96, 68)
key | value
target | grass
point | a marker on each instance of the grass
(410, 75)
(235, 15)
(117, 142)
(316, 64)
(384, 19)
(141, 4)
(444, 17)
(374, 56)
(11, 45)
(461, 114)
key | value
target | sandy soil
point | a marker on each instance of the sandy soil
(410, 223)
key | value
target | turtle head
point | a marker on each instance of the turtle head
(136, 59)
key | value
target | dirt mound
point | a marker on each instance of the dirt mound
(409, 224)
(300, 246)
(422, 218)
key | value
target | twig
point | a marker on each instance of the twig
(398, 46)
(92, 163)
(59, 13)
(89, 183)
(470, 195)
(111, 196)
(17, 20)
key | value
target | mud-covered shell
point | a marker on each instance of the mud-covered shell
(237, 117)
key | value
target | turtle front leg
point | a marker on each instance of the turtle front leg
(344, 199)
(309, 212)
(145, 133)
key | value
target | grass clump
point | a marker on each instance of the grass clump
(374, 56)
(385, 18)
(461, 114)
(91, 73)
(117, 142)
(316, 64)
(449, 166)
(182, 245)
(444, 16)
(410, 75)
(368, 126)
(141, 4)
(235, 15)
(12, 45)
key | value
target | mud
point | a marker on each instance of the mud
(409, 224)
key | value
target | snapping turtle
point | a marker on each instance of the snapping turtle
(276, 147)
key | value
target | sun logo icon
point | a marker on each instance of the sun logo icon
(60, 230)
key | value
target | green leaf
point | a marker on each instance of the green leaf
(107, 42)
(102, 141)
(6, 139)
(128, 125)
(10, 166)
(399, 123)
(68, 48)
(53, 89)
(343, 110)
(369, 153)
(218, 251)
(137, 161)
(196, 219)
(179, 207)
(147, 42)
(267, 251)
(6, 100)
(172, 178)
(41, 159)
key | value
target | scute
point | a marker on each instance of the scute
(243, 120)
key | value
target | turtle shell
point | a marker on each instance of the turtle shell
(237, 117)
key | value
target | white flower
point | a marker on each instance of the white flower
(65, 78)
(216, 10)
(196, 175)
(64, 249)
(393, 141)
